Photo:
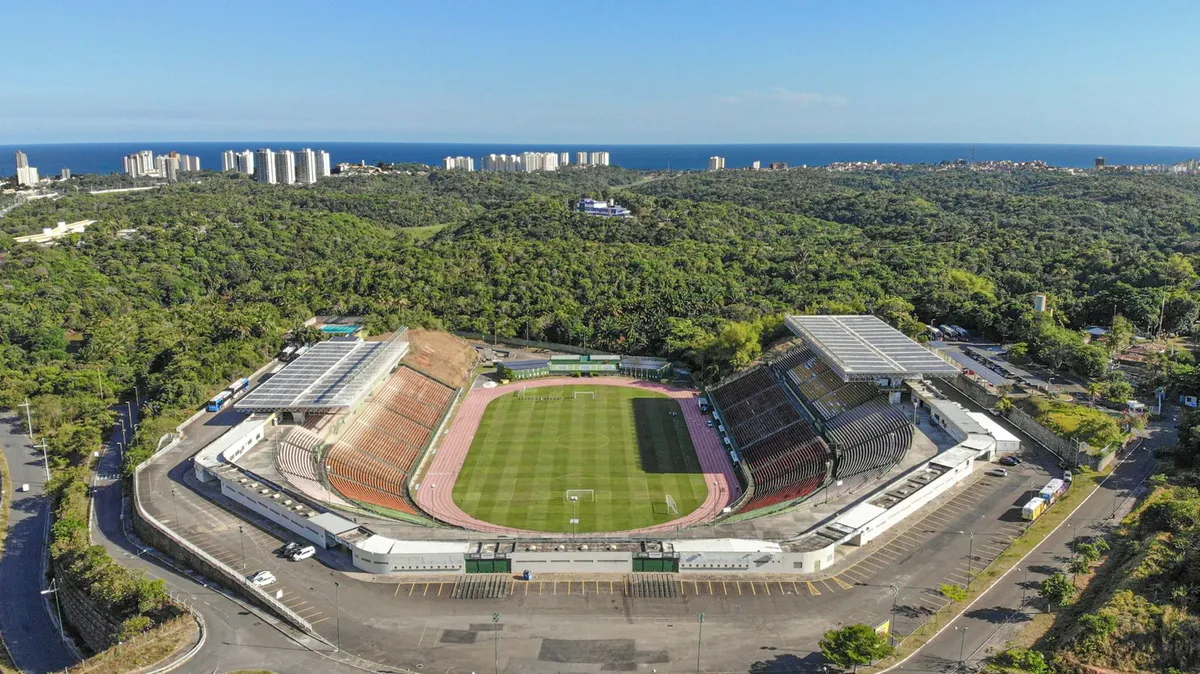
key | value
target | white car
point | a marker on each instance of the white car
(262, 579)
(303, 553)
(998, 472)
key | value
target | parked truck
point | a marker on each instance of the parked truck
(1053, 491)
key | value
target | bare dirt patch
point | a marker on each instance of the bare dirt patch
(440, 355)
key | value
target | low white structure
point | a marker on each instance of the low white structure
(739, 555)
(49, 234)
(380, 554)
(1006, 443)
(229, 447)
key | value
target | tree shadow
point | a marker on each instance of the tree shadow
(786, 663)
(917, 612)
(661, 429)
(1044, 569)
(998, 614)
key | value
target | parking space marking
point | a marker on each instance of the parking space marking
(739, 587)
(812, 589)
(767, 588)
(426, 592)
(314, 622)
(851, 572)
(826, 584)
(844, 584)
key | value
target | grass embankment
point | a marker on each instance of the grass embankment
(145, 650)
(1075, 422)
(1083, 487)
(629, 446)
(6, 665)
(423, 233)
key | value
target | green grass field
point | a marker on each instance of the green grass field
(625, 445)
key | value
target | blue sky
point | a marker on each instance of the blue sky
(703, 71)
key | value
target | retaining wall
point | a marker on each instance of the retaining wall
(97, 629)
(159, 536)
(975, 391)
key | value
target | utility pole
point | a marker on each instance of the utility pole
(962, 648)
(28, 419)
(337, 600)
(53, 589)
(892, 624)
(176, 506)
(970, 557)
(242, 540)
(45, 458)
(1024, 582)
(496, 642)
(699, 640)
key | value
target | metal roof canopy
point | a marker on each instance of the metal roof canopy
(333, 375)
(860, 348)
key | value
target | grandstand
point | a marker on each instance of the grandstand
(630, 366)
(374, 456)
(818, 415)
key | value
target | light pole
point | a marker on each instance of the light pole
(242, 540)
(28, 420)
(45, 458)
(337, 602)
(1024, 583)
(574, 515)
(175, 505)
(496, 642)
(892, 625)
(962, 648)
(53, 589)
(699, 640)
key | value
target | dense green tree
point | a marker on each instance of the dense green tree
(855, 645)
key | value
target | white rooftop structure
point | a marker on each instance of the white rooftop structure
(332, 376)
(740, 545)
(49, 234)
(864, 348)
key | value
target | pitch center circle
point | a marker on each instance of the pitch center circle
(582, 440)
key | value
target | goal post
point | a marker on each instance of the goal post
(584, 395)
(672, 507)
(580, 495)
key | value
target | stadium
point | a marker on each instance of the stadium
(407, 435)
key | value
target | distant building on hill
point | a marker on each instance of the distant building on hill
(716, 163)
(459, 163)
(604, 209)
(1099, 162)
(264, 164)
(777, 165)
(306, 166)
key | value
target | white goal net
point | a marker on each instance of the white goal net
(672, 507)
(584, 395)
(580, 495)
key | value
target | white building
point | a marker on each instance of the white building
(459, 163)
(264, 162)
(27, 176)
(581, 158)
(140, 164)
(716, 163)
(285, 167)
(228, 160)
(245, 162)
(564, 159)
(65, 174)
(756, 165)
(306, 167)
(22, 160)
(323, 164)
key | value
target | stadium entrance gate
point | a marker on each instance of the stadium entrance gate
(489, 566)
(655, 565)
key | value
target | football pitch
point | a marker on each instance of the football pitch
(620, 450)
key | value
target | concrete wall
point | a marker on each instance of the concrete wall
(159, 536)
(912, 504)
(1061, 446)
(280, 511)
(974, 391)
(590, 561)
(810, 561)
(409, 562)
(98, 631)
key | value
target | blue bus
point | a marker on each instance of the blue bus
(240, 386)
(219, 401)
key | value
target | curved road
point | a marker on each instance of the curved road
(29, 632)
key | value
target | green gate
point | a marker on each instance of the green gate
(655, 565)
(489, 566)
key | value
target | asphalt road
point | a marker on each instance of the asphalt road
(237, 638)
(1007, 606)
(30, 634)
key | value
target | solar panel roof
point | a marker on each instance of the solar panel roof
(644, 363)
(527, 364)
(864, 347)
(332, 375)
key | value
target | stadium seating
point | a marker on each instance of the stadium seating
(296, 460)
(787, 457)
(374, 457)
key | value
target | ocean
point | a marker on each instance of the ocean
(106, 157)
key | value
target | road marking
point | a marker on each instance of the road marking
(696, 587)
(512, 587)
(422, 634)
(710, 592)
(739, 587)
(795, 587)
(397, 591)
(555, 588)
(812, 589)
(682, 591)
(610, 590)
(851, 571)
(439, 590)
(539, 587)
(781, 590)
(526, 589)
(725, 588)
(844, 584)
(888, 554)
(314, 622)
(426, 590)
(826, 584)
(767, 588)
(752, 590)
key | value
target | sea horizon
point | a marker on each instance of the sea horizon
(105, 157)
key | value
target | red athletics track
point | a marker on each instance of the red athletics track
(435, 495)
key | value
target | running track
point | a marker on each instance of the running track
(436, 493)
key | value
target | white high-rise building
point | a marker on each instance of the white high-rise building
(27, 176)
(65, 174)
(245, 162)
(306, 167)
(22, 160)
(756, 165)
(598, 159)
(141, 164)
(228, 161)
(323, 170)
(264, 165)
(459, 163)
(581, 158)
(716, 163)
(564, 159)
(285, 167)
